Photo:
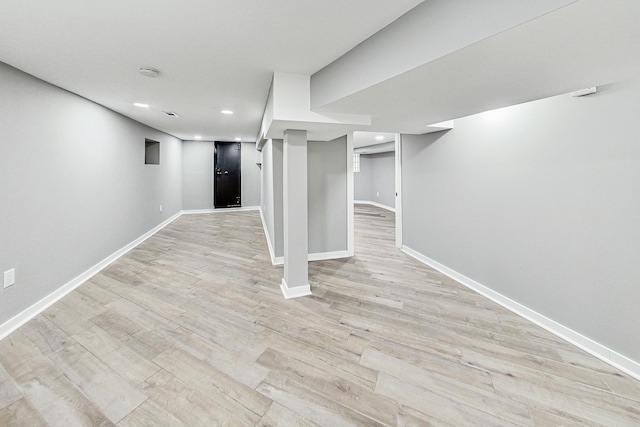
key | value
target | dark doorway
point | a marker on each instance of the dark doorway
(226, 180)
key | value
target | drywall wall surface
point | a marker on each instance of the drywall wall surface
(74, 186)
(271, 190)
(538, 202)
(327, 195)
(383, 180)
(362, 180)
(250, 190)
(197, 175)
(266, 192)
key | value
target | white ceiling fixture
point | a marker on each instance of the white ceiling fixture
(364, 139)
(141, 105)
(148, 72)
(197, 137)
(227, 112)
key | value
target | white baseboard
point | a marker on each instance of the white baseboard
(322, 256)
(218, 210)
(298, 291)
(318, 256)
(380, 205)
(23, 317)
(268, 237)
(607, 355)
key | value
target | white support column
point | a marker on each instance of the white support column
(296, 234)
(398, 190)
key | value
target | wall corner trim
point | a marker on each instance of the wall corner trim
(607, 355)
(29, 313)
(298, 291)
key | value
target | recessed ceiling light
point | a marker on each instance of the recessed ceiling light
(148, 72)
(197, 137)
(141, 105)
(226, 112)
(379, 137)
(239, 139)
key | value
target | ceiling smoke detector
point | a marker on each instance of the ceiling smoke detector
(148, 72)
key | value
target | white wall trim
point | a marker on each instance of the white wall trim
(380, 205)
(592, 347)
(268, 237)
(23, 317)
(398, 189)
(323, 256)
(318, 256)
(218, 210)
(350, 196)
(298, 291)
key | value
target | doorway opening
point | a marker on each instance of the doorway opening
(375, 172)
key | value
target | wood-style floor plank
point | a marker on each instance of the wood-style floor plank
(190, 328)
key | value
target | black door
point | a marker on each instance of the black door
(226, 181)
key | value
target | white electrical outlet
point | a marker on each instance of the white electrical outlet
(160, 208)
(9, 277)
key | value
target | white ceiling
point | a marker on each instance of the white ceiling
(212, 54)
(586, 43)
(221, 54)
(365, 139)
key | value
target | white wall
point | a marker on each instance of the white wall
(362, 180)
(197, 175)
(250, 171)
(376, 180)
(74, 187)
(327, 195)
(539, 202)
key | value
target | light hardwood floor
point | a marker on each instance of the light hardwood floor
(190, 328)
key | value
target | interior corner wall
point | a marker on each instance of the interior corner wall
(383, 178)
(327, 195)
(75, 188)
(538, 202)
(271, 192)
(197, 175)
(362, 180)
(376, 180)
(250, 180)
